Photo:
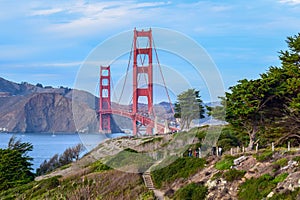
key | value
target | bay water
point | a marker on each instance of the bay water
(46, 145)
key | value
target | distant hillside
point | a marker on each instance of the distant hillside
(33, 108)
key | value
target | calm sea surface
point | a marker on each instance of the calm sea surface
(46, 145)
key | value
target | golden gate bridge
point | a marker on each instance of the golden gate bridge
(144, 67)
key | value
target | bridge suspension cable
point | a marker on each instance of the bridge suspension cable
(126, 75)
(162, 75)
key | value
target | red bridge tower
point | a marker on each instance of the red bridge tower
(104, 100)
(146, 70)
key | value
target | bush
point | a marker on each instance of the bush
(280, 178)
(256, 188)
(180, 168)
(297, 159)
(225, 163)
(233, 174)
(288, 195)
(228, 139)
(68, 156)
(281, 162)
(264, 156)
(130, 159)
(98, 166)
(191, 191)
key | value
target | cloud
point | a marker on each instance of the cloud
(34, 66)
(291, 2)
(46, 12)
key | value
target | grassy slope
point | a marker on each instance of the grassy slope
(97, 181)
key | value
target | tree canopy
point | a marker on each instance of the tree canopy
(271, 103)
(15, 164)
(188, 107)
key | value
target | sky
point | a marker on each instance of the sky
(47, 42)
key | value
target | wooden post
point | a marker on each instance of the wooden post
(243, 149)
(231, 151)
(256, 147)
(272, 146)
(289, 146)
(238, 149)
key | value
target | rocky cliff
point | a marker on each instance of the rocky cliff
(29, 108)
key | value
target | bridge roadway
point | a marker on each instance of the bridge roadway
(144, 120)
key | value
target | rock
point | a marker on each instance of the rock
(270, 195)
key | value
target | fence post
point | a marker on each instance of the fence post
(256, 148)
(231, 151)
(272, 146)
(289, 146)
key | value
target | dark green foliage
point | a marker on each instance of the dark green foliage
(267, 108)
(233, 174)
(15, 165)
(130, 159)
(264, 156)
(149, 195)
(289, 195)
(130, 150)
(67, 157)
(217, 175)
(228, 138)
(225, 163)
(280, 178)
(192, 191)
(297, 158)
(98, 166)
(188, 107)
(281, 162)
(180, 168)
(259, 188)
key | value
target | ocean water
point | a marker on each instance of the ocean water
(46, 145)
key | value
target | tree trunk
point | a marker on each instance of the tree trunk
(252, 137)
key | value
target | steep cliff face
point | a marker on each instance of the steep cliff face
(49, 113)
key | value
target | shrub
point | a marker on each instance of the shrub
(280, 178)
(149, 195)
(297, 159)
(180, 168)
(264, 156)
(281, 162)
(98, 166)
(228, 139)
(256, 188)
(217, 175)
(191, 191)
(233, 174)
(288, 195)
(130, 159)
(225, 163)
(67, 157)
